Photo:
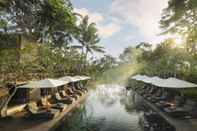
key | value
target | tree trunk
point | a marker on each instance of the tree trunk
(81, 64)
(85, 60)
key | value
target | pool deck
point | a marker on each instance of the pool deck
(19, 123)
(179, 124)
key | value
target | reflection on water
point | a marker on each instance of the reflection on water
(108, 108)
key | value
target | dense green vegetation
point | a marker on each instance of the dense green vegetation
(37, 41)
(169, 58)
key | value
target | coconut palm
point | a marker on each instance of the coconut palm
(88, 38)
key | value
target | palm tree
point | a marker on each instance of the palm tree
(88, 38)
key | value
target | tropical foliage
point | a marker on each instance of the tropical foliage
(38, 40)
(180, 18)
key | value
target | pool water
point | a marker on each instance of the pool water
(107, 108)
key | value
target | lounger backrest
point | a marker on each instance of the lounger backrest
(57, 95)
(45, 102)
(70, 90)
(33, 108)
(77, 87)
(64, 93)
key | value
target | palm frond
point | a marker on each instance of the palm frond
(76, 46)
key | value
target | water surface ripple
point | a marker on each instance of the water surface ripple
(108, 108)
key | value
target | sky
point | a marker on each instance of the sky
(123, 23)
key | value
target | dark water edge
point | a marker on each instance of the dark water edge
(108, 108)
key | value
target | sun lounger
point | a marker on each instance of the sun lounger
(52, 104)
(154, 97)
(144, 90)
(64, 95)
(80, 89)
(188, 110)
(71, 93)
(39, 112)
(164, 96)
(76, 91)
(164, 100)
(137, 89)
(140, 91)
(86, 90)
(149, 93)
(176, 102)
(58, 98)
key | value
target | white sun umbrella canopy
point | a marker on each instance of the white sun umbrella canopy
(142, 78)
(157, 81)
(79, 78)
(146, 79)
(46, 83)
(82, 78)
(86, 77)
(68, 79)
(177, 83)
(136, 77)
(139, 77)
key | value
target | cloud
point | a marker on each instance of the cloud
(104, 30)
(93, 16)
(108, 30)
(143, 14)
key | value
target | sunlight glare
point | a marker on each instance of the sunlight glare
(178, 41)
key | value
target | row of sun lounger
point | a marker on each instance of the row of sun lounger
(169, 102)
(51, 106)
